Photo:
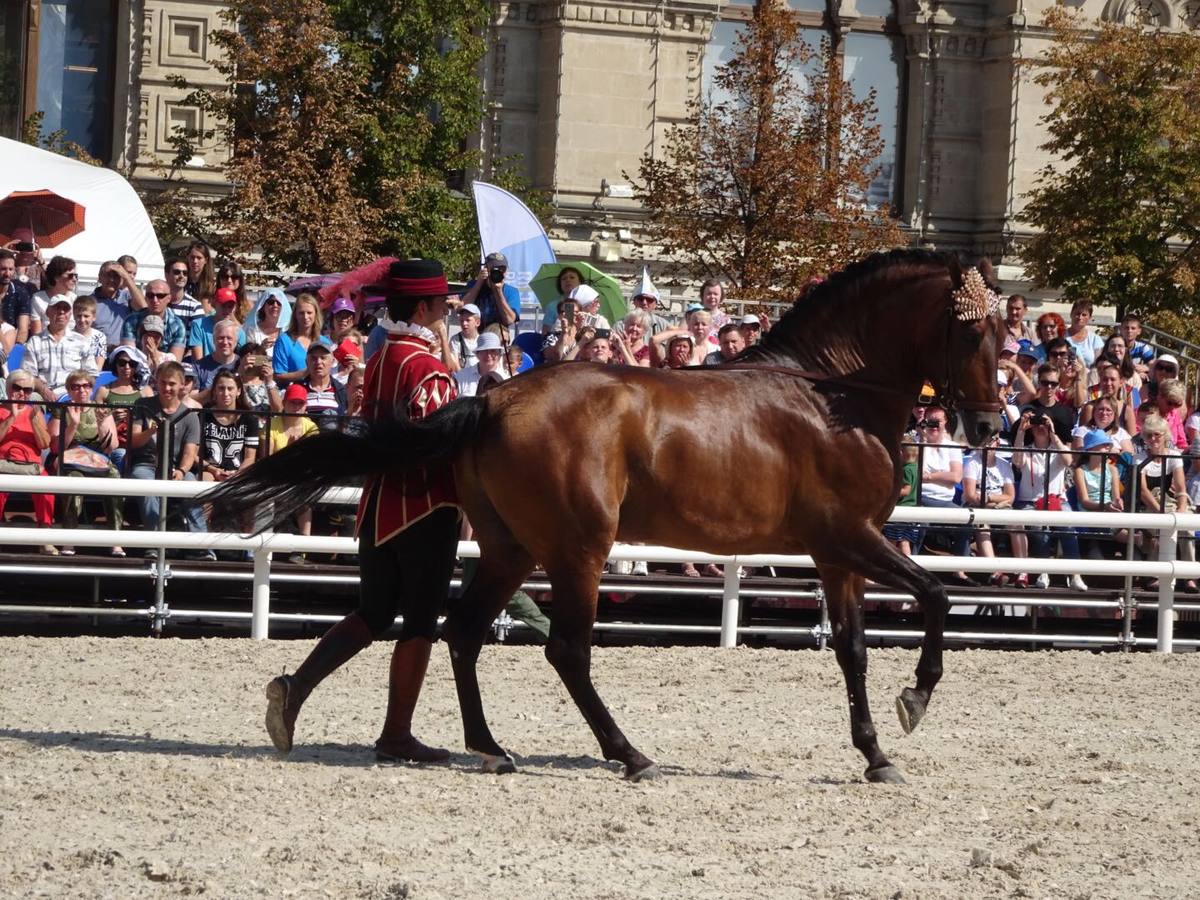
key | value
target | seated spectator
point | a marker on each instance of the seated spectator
(60, 280)
(257, 375)
(131, 370)
(1041, 461)
(16, 305)
(563, 337)
(1072, 391)
(731, 341)
(223, 356)
(154, 421)
(699, 322)
(293, 426)
(1020, 388)
(1171, 402)
(231, 276)
(587, 298)
(568, 278)
(354, 393)
(326, 396)
(597, 349)
(712, 295)
(116, 295)
(697, 333)
(941, 477)
(987, 483)
(676, 350)
(8, 340)
(1047, 403)
(1050, 326)
(189, 386)
(201, 337)
(1086, 343)
(752, 328)
(173, 337)
(23, 439)
(346, 340)
(151, 345)
(228, 434)
(1111, 387)
(1162, 488)
(1117, 352)
(82, 441)
(1098, 486)
(347, 356)
(291, 349)
(269, 318)
(630, 340)
(488, 352)
(463, 344)
(1103, 418)
(904, 535)
(1163, 369)
(184, 304)
(56, 351)
(84, 311)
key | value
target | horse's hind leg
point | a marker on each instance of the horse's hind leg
(569, 650)
(500, 572)
(843, 590)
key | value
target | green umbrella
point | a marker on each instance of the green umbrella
(612, 301)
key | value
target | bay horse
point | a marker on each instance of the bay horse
(793, 447)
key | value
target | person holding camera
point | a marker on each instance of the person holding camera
(1046, 403)
(499, 303)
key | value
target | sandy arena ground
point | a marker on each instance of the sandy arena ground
(135, 767)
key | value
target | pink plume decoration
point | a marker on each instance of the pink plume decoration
(371, 273)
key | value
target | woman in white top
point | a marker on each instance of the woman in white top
(1103, 418)
(1162, 487)
(61, 278)
(988, 484)
(270, 317)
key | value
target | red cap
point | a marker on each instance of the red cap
(225, 295)
(296, 392)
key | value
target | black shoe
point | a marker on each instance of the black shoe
(953, 580)
(201, 555)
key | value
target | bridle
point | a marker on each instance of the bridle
(947, 395)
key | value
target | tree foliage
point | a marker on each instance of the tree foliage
(349, 121)
(1119, 210)
(766, 187)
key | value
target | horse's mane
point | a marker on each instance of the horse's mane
(828, 327)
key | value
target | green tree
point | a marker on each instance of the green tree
(1119, 209)
(766, 188)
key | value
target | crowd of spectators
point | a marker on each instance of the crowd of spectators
(193, 377)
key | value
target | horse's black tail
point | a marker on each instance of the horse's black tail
(278, 485)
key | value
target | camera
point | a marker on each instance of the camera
(24, 247)
(496, 274)
(602, 332)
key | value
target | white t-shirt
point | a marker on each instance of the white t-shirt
(937, 458)
(999, 473)
(468, 379)
(1120, 436)
(463, 349)
(1033, 474)
(41, 302)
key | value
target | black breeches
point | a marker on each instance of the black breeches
(408, 575)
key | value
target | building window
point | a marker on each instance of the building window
(75, 71)
(869, 55)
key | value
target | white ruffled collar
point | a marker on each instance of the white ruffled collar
(407, 328)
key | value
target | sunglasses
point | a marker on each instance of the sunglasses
(1044, 383)
(179, 271)
(156, 295)
(79, 387)
(71, 275)
(226, 276)
(23, 388)
(124, 362)
(1061, 353)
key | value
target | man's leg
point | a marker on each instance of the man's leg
(147, 506)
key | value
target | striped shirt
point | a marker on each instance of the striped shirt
(188, 309)
(325, 403)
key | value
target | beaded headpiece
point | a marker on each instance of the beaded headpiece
(975, 300)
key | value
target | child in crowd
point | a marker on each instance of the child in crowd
(84, 311)
(903, 535)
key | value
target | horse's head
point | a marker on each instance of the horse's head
(976, 332)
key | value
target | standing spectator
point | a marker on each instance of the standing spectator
(129, 264)
(1142, 353)
(941, 476)
(712, 295)
(83, 438)
(1087, 343)
(731, 341)
(463, 344)
(1049, 327)
(700, 323)
(174, 337)
(184, 304)
(270, 318)
(1014, 319)
(597, 349)
(153, 420)
(488, 352)
(228, 434)
(568, 279)
(231, 276)
(116, 295)
(54, 353)
(60, 280)
(326, 400)
(342, 318)
(201, 278)
(678, 351)
(84, 311)
(631, 339)
(131, 370)
(752, 329)
(646, 299)
(499, 303)
(23, 440)
(291, 350)
(200, 336)
(15, 300)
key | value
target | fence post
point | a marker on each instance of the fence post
(1167, 539)
(261, 595)
(730, 606)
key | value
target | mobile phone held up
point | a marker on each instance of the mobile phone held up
(568, 310)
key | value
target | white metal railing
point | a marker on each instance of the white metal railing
(1165, 569)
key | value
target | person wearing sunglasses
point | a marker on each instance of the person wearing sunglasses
(23, 439)
(941, 476)
(1162, 369)
(116, 295)
(60, 278)
(1046, 403)
(174, 336)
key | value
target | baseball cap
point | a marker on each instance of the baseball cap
(225, 295)
(296, 392)
(584, 295)
(342, 304)
(496, 259)
(1011, 346)
(470, 308)
(489, 340)
(751, 319)
(1095, 439)
(1025, 348)
(1168, 359)
(318, 347)
(154, 324)
(189, 371)
(61, 299)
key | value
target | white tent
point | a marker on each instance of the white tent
(115, 222)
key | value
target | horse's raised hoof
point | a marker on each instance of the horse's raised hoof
(910, 708)
(888, 774)
(498, 765)
(646, 771)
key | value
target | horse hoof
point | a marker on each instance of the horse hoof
(910, 708)
(885, 775)
(648, 772)
(498, 765)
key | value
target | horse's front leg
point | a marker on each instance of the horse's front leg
(465, 630)
(843, 591)
(569, 650)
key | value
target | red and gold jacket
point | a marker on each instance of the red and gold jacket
(407, 378)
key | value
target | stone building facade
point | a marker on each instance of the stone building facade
(580, 89)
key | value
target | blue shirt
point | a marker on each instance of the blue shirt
(291, 356)
(111, 313)
(15, 303)
(201, 334)
(486, 301)
(174, 336)
(207, 369)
